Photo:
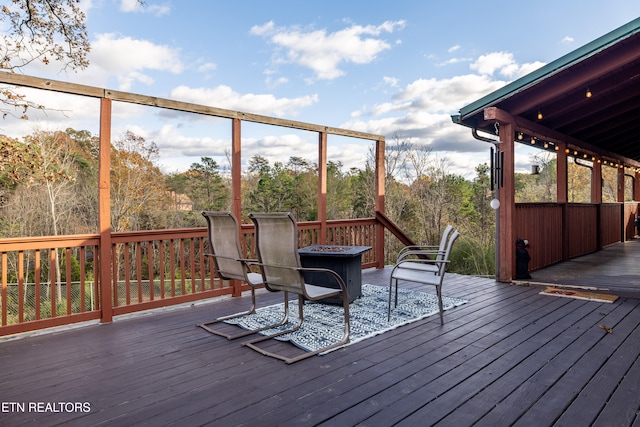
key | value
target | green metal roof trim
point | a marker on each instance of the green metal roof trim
(550, 69)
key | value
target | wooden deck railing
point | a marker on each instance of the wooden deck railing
(558, 232)
(53, 281)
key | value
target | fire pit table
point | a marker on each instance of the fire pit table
(344, 260)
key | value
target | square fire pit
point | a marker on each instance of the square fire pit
(344, 260)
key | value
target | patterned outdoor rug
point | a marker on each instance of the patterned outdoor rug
(323, 323)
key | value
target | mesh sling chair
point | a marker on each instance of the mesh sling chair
(422, 276)
(408, 253)
(229, 264)
(277, 249)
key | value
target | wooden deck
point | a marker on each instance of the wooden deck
(510, 356)
(614, 269)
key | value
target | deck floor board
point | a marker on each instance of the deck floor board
(508, 356)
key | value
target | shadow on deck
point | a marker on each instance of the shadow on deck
(510, 356)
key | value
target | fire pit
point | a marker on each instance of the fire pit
(329, 248)
(344, 260)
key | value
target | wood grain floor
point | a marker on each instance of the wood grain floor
(510, 356)
(615, 269)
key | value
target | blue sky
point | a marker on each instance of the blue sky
(392, 68)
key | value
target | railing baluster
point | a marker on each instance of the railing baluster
(67, 260)
(52, 282)
(3, 299)
(183, 279)
(37, 271)
(150, 270)
(179, 256)
(21, 286)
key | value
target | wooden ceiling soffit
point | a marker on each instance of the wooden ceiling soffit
(494, 114)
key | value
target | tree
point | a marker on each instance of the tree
(205, 186)
(540, 187)
(137, 184)
(41, 31)
(18, 163)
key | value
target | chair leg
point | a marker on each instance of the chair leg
(343, 341)
(390, 292)
(290, 360)
(252, 310)
(396, 304)
(439, 292)
(251, 343)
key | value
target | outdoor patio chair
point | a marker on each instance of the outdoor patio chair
(279, 261)
(408, 253)
(229, 264)
(399, 272)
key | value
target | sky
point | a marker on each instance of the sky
(396, 68)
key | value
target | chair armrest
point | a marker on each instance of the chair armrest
(335, 275)
(245, 260)
(420, 254)
(416, 247)
(422, 261)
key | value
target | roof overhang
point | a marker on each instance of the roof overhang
(606, 124)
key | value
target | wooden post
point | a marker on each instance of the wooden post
(379, 200)
(596, 183)
(621, 185)
(507, 206)
(236, 188)
(596, 197)
(562, 186)
(562, 195)
(621, 188)
(322, 187)
(236, 169)
(506, 194)
(104, 211)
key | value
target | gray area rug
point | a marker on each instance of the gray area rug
(323, 323)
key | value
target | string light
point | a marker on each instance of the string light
(588, 94)
(539, 114)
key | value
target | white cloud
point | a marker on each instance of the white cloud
(325, 52)
(503, 63)
(567, 40)
(421, 111)
(209, 66)
(391, 81)
(128, 59)
(454, 48)
(225, 97)
(137, 6)
(454, 61)
(129, 5)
